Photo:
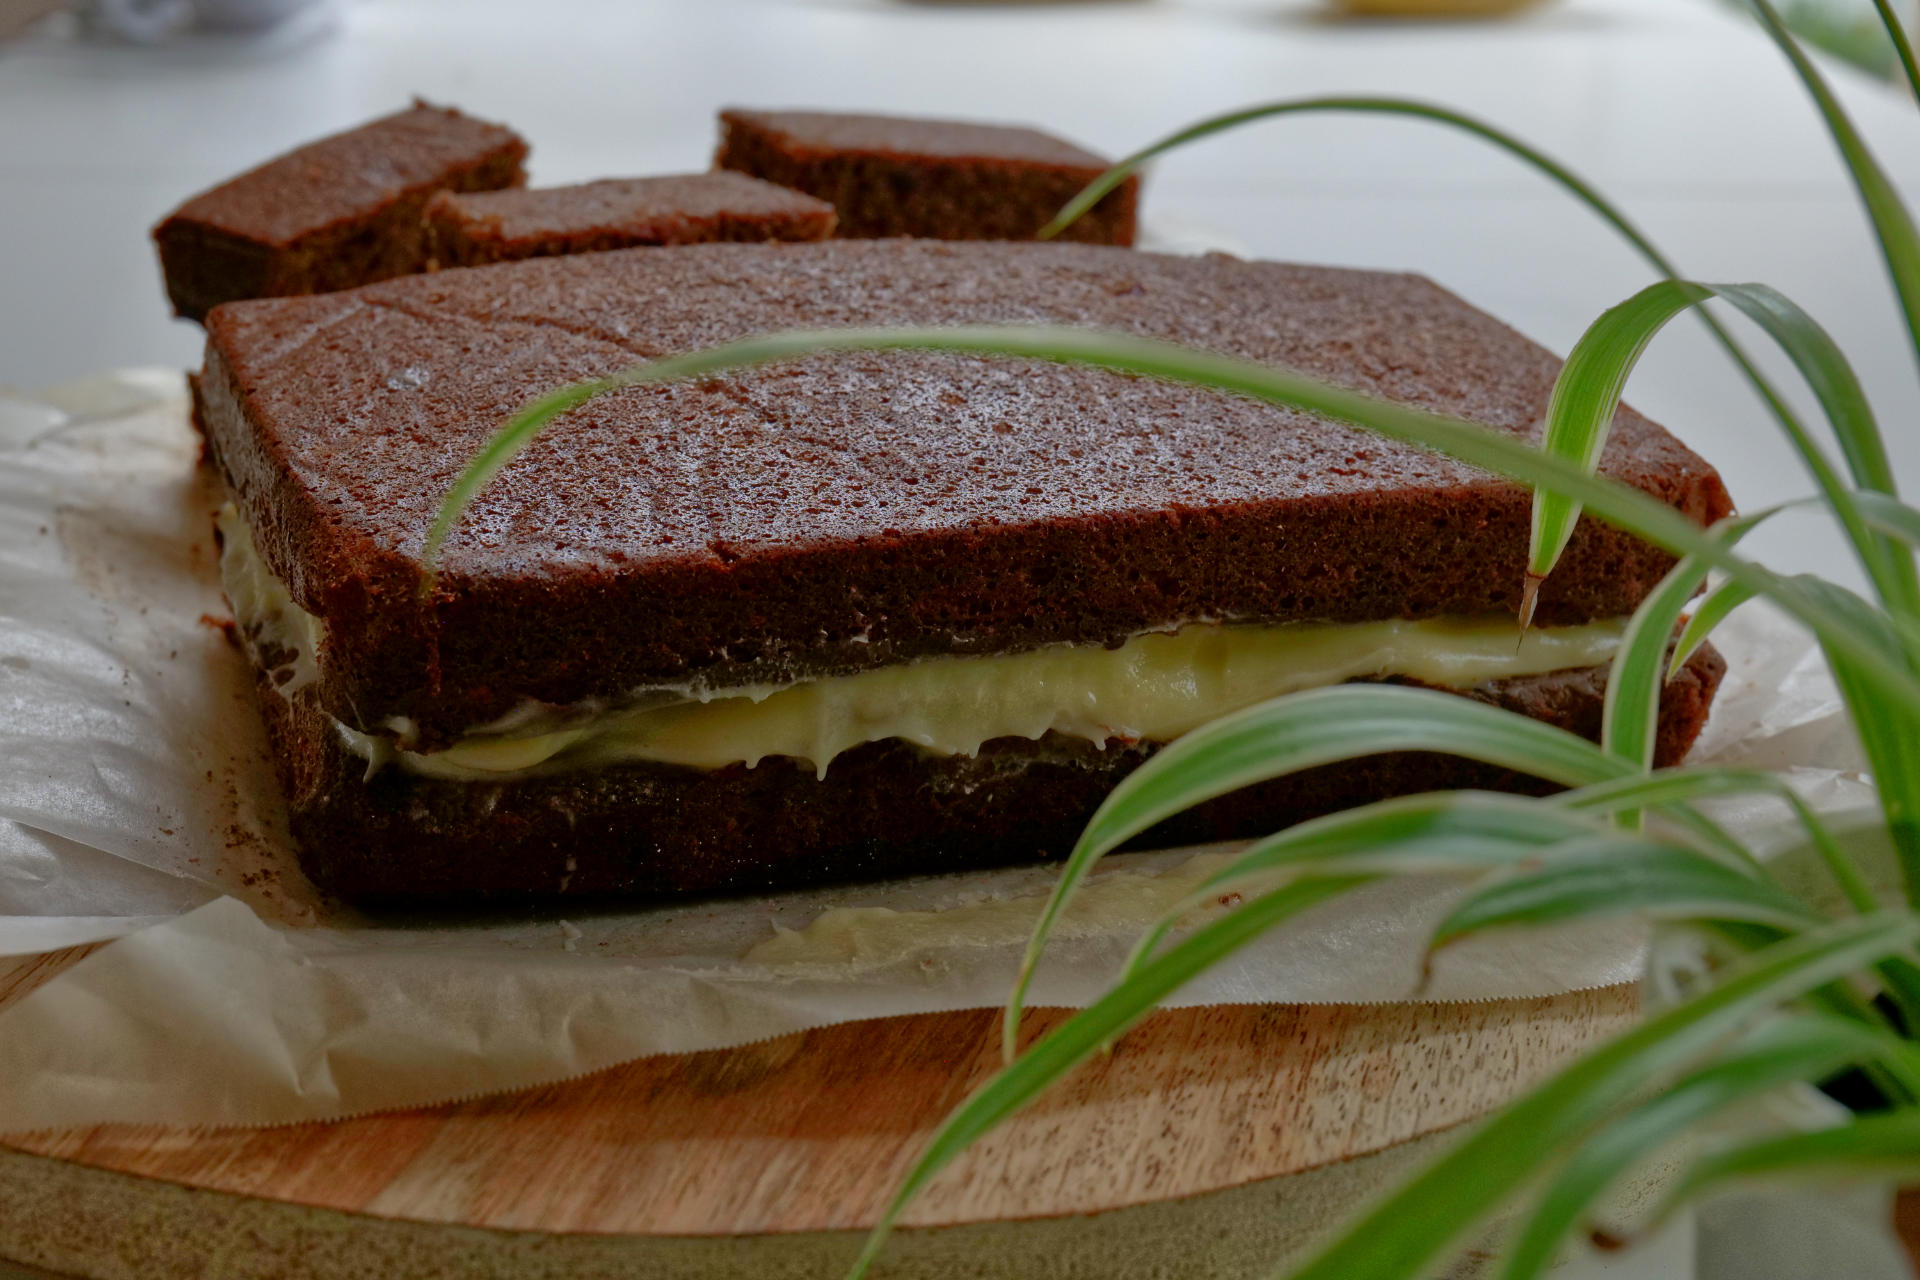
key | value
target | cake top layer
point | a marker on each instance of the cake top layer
(847, 510)
(346, 174)
(824, 131)
(635, 206)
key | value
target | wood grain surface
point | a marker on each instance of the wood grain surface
(812, 1132)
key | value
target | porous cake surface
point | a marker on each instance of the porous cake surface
(490, 226)
(343, 211)
(356, 171)
(941, 179)
(849, 510)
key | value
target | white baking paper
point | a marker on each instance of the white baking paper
(136, 803)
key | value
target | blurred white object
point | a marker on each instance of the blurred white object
(155, 21)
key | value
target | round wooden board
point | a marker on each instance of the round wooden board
(1211, 1142)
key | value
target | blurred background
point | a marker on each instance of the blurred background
(114, 111)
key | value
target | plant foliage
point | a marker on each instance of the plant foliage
(1799, 995)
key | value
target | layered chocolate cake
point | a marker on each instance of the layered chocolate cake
(874, 613)
(938, 179)
(471, 229)
(343, 211)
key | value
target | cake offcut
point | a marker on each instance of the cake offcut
(935, 179)
(342, 211)
(468, 229)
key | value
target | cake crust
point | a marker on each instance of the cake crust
(339, 212)
(938, 179)
(885, 809)
(467, 229)
(847, 511)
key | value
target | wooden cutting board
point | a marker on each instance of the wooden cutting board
(1211, 1142)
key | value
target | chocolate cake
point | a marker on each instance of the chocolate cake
(937, 179)
(343, 211)
(471, 229)
(818, 555)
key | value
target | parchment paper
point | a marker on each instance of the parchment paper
(136, 803)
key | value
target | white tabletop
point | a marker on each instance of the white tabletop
(1677, 108)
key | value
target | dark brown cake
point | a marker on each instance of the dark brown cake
(851, 511)
(467, 230)
(938, 179)
(884, 809)
(343, 211)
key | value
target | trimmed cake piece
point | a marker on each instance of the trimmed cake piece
(343, 211)
(866, 613)
(936, 179)
(468, 230)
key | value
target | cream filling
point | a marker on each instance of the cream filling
(1154, 687)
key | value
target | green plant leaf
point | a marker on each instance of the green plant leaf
(1628, 508)
(1572, 183)
(1892, 223)
(1297, 732)
(1886, 734)
(1630, 713)
(1713, 610)
(1795, 1047)
(1437, 831)
(1597, 876)
(1587, 394)
(1413, 1226)
(1081, 1035)
(1901, 45)
(1880, 1144)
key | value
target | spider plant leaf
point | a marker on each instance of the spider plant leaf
(1081, 1035)
(1603, 876)
(1627, 508)
(1793, 1048)
(1892, 223)
(1885, 734)
(1879, 1144)
(1436, 832)
(1892, 517)
(1712, 611)
(1586, 396)
(1897, 32)
(1544, 164)
(1296, 732)
(1411, 1228)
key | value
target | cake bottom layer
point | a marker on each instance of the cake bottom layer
(884, 809)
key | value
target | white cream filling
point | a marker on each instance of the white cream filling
(1154, 687)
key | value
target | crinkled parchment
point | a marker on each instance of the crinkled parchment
(136, 804)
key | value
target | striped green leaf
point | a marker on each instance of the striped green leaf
(1424, 834)
(1572, 183)
(1600, 877)
(1297, 732)
(1628, 508)
(1082, 1035)
(1587, 394)
(1413, 1227)
(1901, 45)
(1712, 611)
(1892, 222)
(1883, 1144)
(1790, 1049)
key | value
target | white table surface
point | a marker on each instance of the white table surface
(1677, 108)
